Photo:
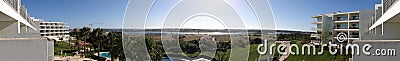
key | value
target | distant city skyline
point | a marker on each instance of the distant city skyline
(289, 15)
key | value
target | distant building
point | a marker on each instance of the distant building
(315, 39)
(57, 31)
(20, 39)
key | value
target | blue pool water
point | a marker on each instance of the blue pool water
(105, 54)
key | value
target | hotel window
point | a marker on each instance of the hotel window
(356, 17)
(342, 18)
(341, 26)
(355, 25)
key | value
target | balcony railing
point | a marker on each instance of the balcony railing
(347, 28)
(13, 3)
(387, 4)
(378, 13)
(354, 36)
(341, 20)
(319, 20)
(316, 22)
(355, 18)
(18, 8)
(340, 27)
(355, 27)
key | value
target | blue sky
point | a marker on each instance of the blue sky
(289, 14)
(79, 13)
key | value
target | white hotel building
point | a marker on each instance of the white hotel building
(342, 22)
(57, 31)
(383, 23)
(382, 31)
(20, 39)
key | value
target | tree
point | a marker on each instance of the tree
(114, 45)
(222, 51)
(97, 38)
(325, 35)
(155, 50)
(82, 34)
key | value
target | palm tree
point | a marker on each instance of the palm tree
(96, 38)
(84, 34)
(114, 44)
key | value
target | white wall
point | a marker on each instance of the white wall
(32, 49)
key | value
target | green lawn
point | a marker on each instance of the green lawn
(253, 53)
(66, 47)
(326, 56)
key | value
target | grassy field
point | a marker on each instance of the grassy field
(326, 56)
(65, 47)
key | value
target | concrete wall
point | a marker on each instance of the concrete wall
(25, 49)
(390, 31)
(9, 31)
(50, 52)
(365, 18)
(378, 45)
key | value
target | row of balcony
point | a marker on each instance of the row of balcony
(60, 34)
(342, 27)
(20, 9)
(53, 27)
(341, 19)
(54, 32)
(354, 27)
(58, 23)
(345, 19)
(387, 4)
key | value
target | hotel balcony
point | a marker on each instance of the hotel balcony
(354, 18)
(316, 28)
(390, 9)
(388, 4)
(354, 36)
(340, 27)
(13, 11)
(317, 22)
(346, 21)
(354, 27)
(346, 28)
(340, 21)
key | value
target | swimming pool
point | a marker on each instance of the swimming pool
(105, 54)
